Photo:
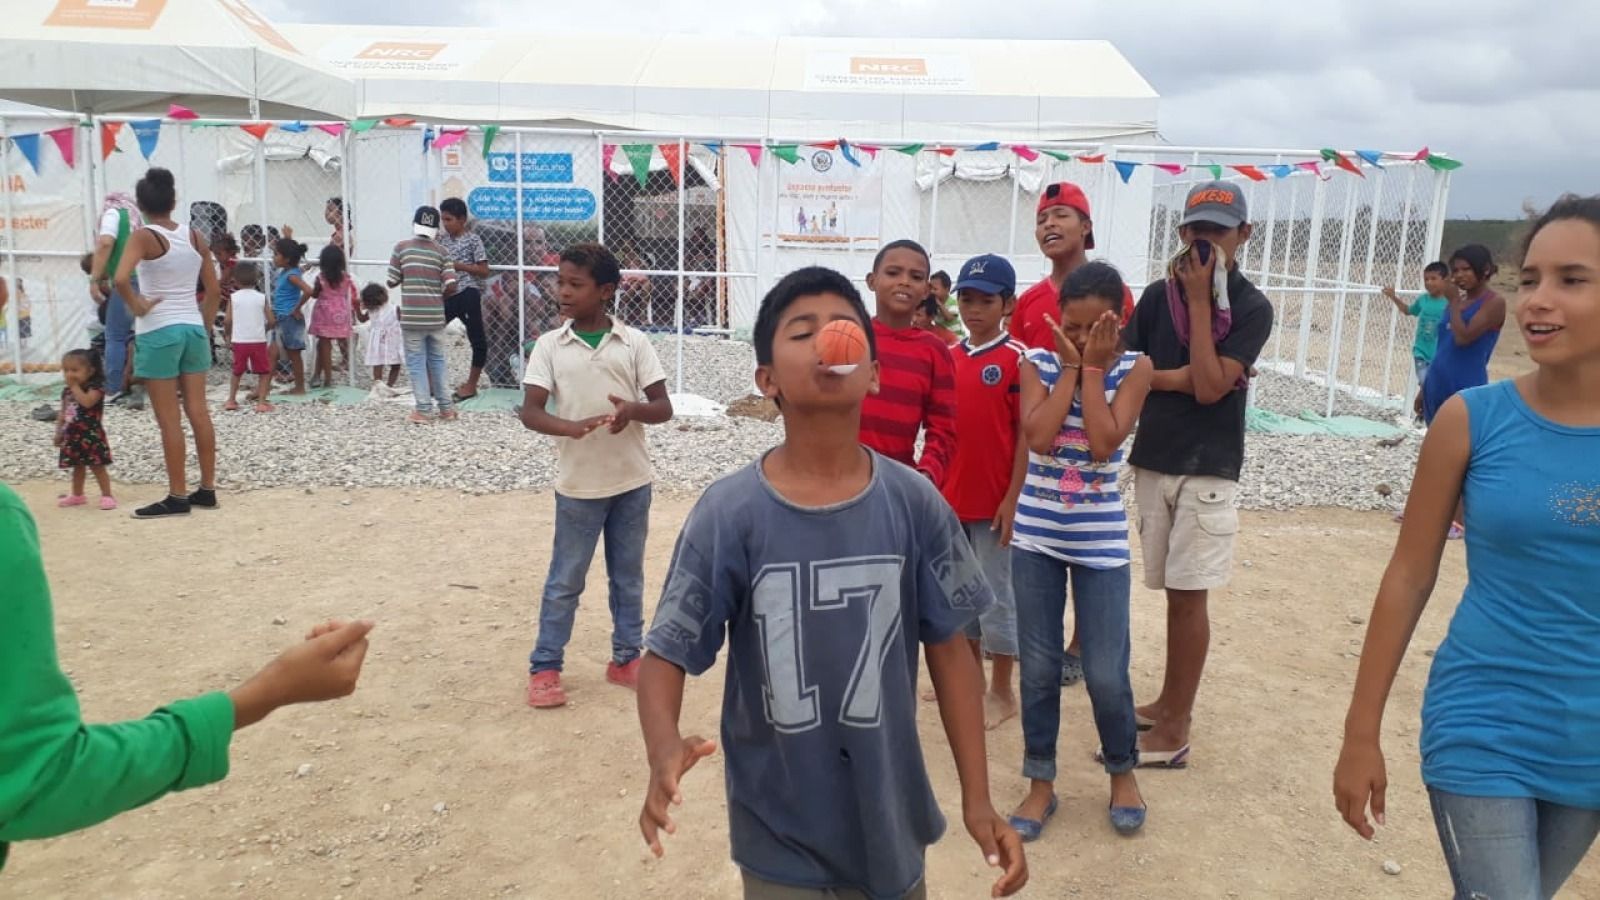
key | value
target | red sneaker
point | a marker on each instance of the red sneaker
(544, 690)
(624, 676)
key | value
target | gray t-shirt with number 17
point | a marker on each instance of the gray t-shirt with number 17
(823, 610)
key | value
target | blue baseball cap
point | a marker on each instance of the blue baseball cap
(990, 273)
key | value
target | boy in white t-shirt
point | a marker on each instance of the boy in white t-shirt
(248, 318)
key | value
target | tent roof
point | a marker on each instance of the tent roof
(140, 55)
(769, 87)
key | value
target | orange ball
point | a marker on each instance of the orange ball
(842, 346)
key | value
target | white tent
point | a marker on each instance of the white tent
(218, 57)
(884, 89)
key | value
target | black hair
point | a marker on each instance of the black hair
(1438, 268)
(332, 263)
(226, 242)
(1477, 257)
(930, 305)
(942, 277)
(595, 259)
(374, 295)
(1096, 280)
(156, 192)
(1567, 206)
(807, 282)
(97, 369)
(455, 207)
(338, 203)
(290, 249)
(903, 244)
(247, 274)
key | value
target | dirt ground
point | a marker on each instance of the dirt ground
(543, 803)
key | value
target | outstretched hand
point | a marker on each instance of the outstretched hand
(325, 666)
(665, 773)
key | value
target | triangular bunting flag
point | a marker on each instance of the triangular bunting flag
(869, 149)
(754, 150)
(427, 138)
(947, 151)
(789, 153)
(608, 152)
(673, 154)
(148, 131)
(1092, 159)
(1024, 151)
(490, 132)
(639, 157)
(1058, 154)
(849, 156)
(992, 145)
(1422, 155)
(181, 113)
(333, 128)
(1282, 171)
(1125, 169)
(1250, 172)
(294, 127)
(67, 142)
(399, 122)
(257, 129)
(825, 145)
(1373, 158)
(1339, 159)
(1216, 172)
(29, 145)
(448, 137)
(363, 125)
(108, 138)
(910, 149)
(1312, 167)
(713, 146)
(1170, 168)
(1442, 163)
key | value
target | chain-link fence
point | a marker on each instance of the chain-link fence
(703, 226)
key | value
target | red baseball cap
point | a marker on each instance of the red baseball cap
(1065, 193)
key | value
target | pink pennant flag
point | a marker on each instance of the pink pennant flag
(182, 113)
(869, 149)
(607, 151)
(1312, 167)
(64, 142)
(754, 150)
(1170, 168)
(1422, 155)
(333, 128)
(449, 136)
(1024, 151)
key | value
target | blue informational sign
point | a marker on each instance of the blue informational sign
(538, 204)
(537, 168)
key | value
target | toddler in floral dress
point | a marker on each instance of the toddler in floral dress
(80, 433)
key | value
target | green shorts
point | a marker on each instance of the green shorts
(171, 351)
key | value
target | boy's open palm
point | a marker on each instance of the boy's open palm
(1002, 848)
(665, 773)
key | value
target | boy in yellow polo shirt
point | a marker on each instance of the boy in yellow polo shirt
(607, 383)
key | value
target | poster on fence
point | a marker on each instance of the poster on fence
(827, 201)
(47, 310)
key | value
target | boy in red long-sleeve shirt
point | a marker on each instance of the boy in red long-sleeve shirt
(917, 385)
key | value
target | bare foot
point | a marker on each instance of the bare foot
(997, 708)
(296, 392)
(264, 407)
(1166, 737)
(231, 406)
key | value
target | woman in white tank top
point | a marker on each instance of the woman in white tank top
(174, 350)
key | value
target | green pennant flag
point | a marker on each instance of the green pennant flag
(1216, 172)
(639, 157)
(1329, 154)
(1443, 163)
(490, 132)
(789, 153)
(910, 149)
(361, 125)
(1057, 155)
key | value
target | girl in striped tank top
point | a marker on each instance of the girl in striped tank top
(1078, 406)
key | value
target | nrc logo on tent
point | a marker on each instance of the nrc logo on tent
(905, 67)
(401, 50)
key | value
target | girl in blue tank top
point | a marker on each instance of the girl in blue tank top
(1468, 333)
(1511, 713)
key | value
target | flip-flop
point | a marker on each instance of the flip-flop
(1157, 759)
(1456, 532)
(1031, 829)
(457, 396)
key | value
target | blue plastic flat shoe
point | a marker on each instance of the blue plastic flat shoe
(1031, 829)
(1127, 819)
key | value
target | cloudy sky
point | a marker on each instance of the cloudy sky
(1511, 88)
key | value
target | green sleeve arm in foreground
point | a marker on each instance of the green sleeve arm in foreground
(56, 773)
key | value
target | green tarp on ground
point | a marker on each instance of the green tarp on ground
(339, 395)
(28, 393)
(1269, 422)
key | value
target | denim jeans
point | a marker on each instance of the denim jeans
(1510, 848)
(624, 520)
(425, 368)
(119, 334)
(1100, 601)
(997, 628)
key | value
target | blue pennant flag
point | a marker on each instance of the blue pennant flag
(1125, 169)
(29, 145)
(1282, 171)
(1372, 157)
(148, 132)
(992, 145)
(848, 154)
(713, 146)
(294, 127)
(427, 138)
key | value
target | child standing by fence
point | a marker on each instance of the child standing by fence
(289, 294)
(248, 320)
(331, 316)
(80, 432)
(424, 274)
(383, 341)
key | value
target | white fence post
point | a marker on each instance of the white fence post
(1313, 260)
(683, 178)
(13, 311)
(1342, 276)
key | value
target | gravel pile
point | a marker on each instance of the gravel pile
(370, 445)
